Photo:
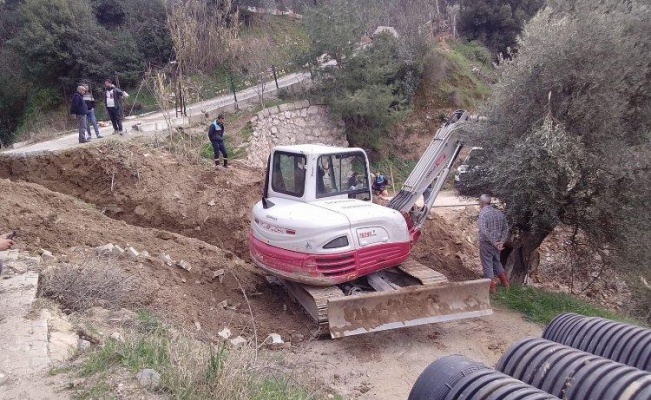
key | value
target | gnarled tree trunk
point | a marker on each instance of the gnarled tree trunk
(521, 256)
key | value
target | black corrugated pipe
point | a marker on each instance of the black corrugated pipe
(457, 377)
(624, 343)
(572, 374)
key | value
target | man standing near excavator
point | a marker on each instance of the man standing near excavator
(493, 232)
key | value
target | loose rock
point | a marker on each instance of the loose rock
(47, 256)
(167, 260)
(117, 337)
(197, 325)
(117, 251)
(148, 378)
(83, 345)
(238, 342)
(132, 253)
(184, 265)
(106, 249)
(219, 274)
(225, 333)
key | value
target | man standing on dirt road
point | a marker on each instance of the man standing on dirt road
(112, 98)
(216, 136)
(493, 232)
(80, 110)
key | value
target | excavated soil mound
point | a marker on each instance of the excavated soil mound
(443, 248)
(147, 187)
(67, 226)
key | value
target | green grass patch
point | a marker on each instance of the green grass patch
(99, 391)
(234, 153)
(541, 306)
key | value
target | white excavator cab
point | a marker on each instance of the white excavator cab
(313, 172)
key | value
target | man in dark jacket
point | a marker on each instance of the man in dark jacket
(216, 136)
(90, 118)
(79, 109)
(112, 99)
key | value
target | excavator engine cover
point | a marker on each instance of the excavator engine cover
(408, 306)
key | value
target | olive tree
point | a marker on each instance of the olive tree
(568, 130)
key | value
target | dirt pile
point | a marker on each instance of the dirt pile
(147, 187)
(447, 247)
(71, 228)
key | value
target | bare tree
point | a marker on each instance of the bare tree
(203, 33)
(257, 61)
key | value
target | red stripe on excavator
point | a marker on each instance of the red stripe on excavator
(326, 269)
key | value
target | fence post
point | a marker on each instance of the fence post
(273, 69)
(230, 76)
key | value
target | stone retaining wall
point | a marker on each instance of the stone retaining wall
(292, 123)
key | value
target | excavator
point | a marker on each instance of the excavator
(344, 258)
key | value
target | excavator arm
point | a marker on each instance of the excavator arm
(429, 174)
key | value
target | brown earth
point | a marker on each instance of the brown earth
(119, 192)
(70, 227)
(147, 187)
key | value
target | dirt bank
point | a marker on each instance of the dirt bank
(70, 227)
(147, 187)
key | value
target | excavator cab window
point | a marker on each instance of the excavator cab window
(288, 174)
(343, 174)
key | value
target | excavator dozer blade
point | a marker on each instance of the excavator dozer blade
(409, 306)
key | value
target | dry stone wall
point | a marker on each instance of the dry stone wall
(292, 123)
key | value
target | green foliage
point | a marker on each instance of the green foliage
(541, 307)
(496, 23)
(371, 90)
(234, 153)
(60, 42)
(567, 131)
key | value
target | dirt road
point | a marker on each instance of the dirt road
(71, 140)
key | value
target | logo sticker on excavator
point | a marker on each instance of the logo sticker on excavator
(367, 236)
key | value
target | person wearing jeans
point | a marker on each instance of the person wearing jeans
(112, 99)
(90, 117)
(79, 109)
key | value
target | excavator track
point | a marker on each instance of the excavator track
(314, 300)
(435, 300)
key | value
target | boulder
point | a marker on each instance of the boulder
(148, 378)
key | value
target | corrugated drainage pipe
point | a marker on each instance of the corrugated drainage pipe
(573, 374)
(624, 343)
(457, 377)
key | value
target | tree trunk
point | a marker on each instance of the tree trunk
(521, 254)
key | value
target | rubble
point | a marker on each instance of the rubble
(238, 342)
(132, 253)
(83, 345)
(117, 251)
(148, 378)
(184, 265)
(117, 337)
(225, 333)
(104, 250)
(219, 274)
(47, 256)
(167, 259)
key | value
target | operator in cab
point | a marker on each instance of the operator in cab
(380, 183)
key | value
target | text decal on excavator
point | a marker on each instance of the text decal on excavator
(366, 233)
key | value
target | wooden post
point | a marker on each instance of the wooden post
(393, 182)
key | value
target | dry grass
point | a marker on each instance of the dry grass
(191, 369)
(92, 284)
